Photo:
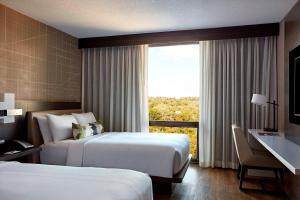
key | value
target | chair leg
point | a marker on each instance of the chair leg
(239, 171)
(279, 176)
(243, 172)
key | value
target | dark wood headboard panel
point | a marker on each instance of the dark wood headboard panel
(28, 106)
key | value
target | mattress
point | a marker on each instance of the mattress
(35, 182)
(156, 154)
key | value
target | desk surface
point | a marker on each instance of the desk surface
(283, 149)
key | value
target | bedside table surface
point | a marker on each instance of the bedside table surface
(25, 152)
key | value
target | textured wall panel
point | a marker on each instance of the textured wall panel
(37, 62)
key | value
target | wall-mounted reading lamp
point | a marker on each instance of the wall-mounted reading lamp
(7, 108)
(10, 112)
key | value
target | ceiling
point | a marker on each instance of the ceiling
(92, 18)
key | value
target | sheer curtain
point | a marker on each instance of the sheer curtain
(231, 71)
(114, 86)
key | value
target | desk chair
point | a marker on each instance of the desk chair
(249, 160)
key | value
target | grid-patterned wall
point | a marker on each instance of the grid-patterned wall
(37, 62)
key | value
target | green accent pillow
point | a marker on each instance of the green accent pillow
(97, 127)
(101, 123)
(83, 131)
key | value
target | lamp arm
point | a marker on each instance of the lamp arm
(273, 103)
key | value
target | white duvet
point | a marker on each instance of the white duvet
(44, 182)
(155, 154)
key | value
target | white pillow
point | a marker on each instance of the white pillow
(85, 118)
(44, 128)
(61, 126)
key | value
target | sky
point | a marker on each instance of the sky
(174, 71)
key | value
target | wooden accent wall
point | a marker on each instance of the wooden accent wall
(37, 62)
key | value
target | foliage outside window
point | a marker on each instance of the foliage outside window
(175, 109)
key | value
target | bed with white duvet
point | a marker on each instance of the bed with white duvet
(36, 182)
(161, 155)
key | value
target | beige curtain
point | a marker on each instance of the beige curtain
(231, 71)
(114, 86)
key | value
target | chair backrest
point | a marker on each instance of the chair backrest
(242, 147)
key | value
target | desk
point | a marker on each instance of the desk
(283, 149)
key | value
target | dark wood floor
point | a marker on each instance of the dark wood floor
(213, 184)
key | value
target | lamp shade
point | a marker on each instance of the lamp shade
(259, 99)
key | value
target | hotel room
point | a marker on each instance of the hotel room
(143, 100)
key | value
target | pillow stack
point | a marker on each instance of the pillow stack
(88, 125)
(55, 128)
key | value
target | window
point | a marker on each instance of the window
(174, 91)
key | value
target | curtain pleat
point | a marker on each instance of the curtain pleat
(230, 72)
(114, 86)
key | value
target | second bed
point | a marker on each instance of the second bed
(163, 156)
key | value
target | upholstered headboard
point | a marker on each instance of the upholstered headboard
(34, 133)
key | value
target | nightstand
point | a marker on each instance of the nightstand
(19, 155)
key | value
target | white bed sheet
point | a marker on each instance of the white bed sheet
(36, 182)
(56, 153)
(155, 154)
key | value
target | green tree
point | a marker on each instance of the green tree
(175, 109)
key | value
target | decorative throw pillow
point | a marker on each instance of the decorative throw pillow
(87, 118)
(83, 131)
(99, 122)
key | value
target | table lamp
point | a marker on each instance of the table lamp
(261, 100)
